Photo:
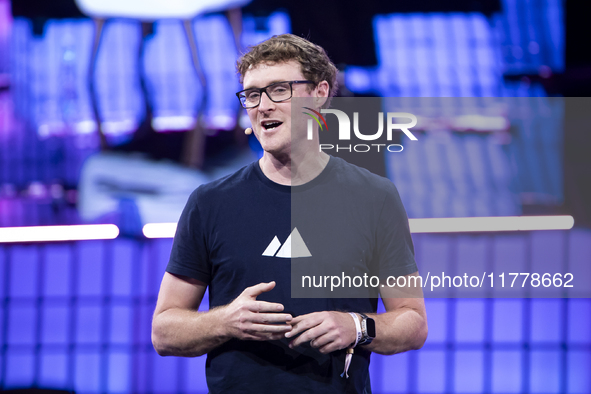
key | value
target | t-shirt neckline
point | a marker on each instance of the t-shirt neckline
(294, 189)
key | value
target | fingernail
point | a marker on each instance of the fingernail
(287, 334)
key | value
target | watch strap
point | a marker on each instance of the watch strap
(363, 324)
(365, 339)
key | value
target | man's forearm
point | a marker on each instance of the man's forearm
(187, 333)
(179, 330)
(398, 331)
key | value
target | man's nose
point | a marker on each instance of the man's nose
(266, 103)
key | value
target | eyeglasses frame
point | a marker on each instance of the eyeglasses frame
(264, 90)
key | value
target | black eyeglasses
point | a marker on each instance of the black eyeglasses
(277, 92)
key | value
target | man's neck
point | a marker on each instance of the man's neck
(293, 171)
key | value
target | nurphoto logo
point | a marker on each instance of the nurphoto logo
(345, 130)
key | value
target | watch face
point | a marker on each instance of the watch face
(371, 327)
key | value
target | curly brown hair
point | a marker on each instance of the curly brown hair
(315, 63)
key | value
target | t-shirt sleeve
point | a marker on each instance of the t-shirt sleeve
(395, 250)
(189, 256)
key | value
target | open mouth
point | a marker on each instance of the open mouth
(271, 125)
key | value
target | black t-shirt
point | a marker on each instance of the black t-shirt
(231, 235)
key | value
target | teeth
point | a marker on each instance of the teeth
(271, 125)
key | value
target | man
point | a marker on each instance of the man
(258, 338)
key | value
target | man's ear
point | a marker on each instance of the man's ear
(323, 89)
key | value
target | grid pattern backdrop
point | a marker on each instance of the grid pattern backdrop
(77, 316)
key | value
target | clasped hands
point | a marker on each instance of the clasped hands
(250, 319)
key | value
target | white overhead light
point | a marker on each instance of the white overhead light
(159, 230)
(491, 224)
(58, 233)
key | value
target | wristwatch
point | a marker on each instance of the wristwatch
(368, 329)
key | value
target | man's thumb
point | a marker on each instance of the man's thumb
(256, 290)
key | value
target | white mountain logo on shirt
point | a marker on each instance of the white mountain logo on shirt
(293, 247)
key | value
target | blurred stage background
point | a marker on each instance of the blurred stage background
(76, 316)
